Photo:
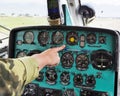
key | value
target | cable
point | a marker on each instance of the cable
(4, 33)
(79, 2)
(5, 28)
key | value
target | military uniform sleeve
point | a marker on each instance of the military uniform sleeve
(15, 73)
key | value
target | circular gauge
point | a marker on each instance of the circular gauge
(91, 38)
(67, 60)
(33, 52)
(21, 54)
(88, 93)
(30, 90)
(102, 39)
(48, 94)
(90, 80)
(28, 37)
(69, 92)
(43, 38)
(51, 76)
(65, 78)
(72, 38)
(57, 37)
(101, 59)
(78, 80)
(82, 62)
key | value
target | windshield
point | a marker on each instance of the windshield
(15, 13)
(106, 12)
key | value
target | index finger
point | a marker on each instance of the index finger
(60, 48)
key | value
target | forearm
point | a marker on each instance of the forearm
(31, 68)
(15, 73)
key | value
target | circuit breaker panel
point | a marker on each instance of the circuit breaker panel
(88, 65)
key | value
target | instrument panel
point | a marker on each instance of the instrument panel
(88, 65)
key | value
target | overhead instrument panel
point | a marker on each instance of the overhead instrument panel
(88, 65)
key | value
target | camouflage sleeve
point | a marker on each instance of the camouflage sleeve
(15, 73)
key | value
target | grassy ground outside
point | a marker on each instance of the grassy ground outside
(12, 22)
(19, 21)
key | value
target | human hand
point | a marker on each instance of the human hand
(49, 57)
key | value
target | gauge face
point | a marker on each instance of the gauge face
(102, 39)
(90, 80)
(67, 60)
(91, 38)
(72, 38)
(30, 90)
(21, 54)
(101, 59)
(43, 38)
(28, 37)
(69, 92)
(51, 76)
(82, 62)
(65, 78)
(57, 37)
(78, 80)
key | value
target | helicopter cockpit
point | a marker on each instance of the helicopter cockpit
(89, 64)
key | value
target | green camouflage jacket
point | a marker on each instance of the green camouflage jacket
(15, 73)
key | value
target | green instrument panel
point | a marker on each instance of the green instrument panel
(88, 65)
